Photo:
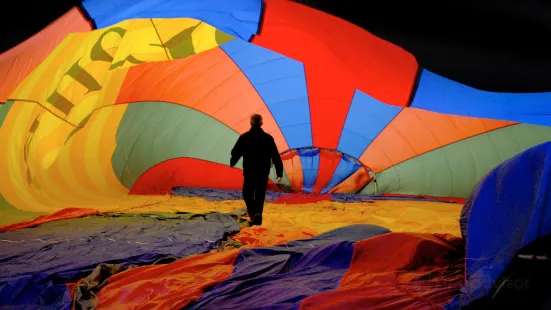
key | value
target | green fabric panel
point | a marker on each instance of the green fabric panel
(4, 109)
(153, 132)
(10, 215)
(454, 170)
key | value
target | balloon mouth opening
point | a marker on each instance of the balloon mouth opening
(313, 170)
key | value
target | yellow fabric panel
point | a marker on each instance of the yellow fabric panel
(59, 137)
(203, 36)
(18, 189)
(317, 218)
(113, 84)
(396, 215)
(50, 166)
(97, 147)
(43, 150)
(140, 44)
(72, 80)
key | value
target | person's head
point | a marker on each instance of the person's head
(256, 120)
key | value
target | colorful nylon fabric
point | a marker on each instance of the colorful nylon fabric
(116, 126)
(126, 239)
(151, 102)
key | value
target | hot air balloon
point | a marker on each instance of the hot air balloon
(119, 109)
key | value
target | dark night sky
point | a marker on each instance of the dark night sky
(492, 45)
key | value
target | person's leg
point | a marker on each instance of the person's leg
(248, 196)
(260, 195)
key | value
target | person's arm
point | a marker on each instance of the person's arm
(236, 152)
(276, 159)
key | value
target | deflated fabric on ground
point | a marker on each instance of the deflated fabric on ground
(56, 216)
(170, 286)
(84, 291)
(177, 284)
(218, 194)
(290, 198)
(508, 209)
(283, 275)
(398, 271)
(351, 267)
(36, 259)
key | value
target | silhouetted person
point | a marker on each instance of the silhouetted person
(258, 150)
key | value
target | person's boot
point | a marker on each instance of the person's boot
(257, 219)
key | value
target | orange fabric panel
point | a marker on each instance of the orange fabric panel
(339, 58)
(170, 286)
(20, 61)
(63, 214)
(293, 169)
(398, 271)
(188, 172)
(329, 162)
(414, 132)
(256, 236)
(353, 183)
(209, 82)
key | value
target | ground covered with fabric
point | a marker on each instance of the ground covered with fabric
(351, 266)
(92, 259)
(59, 252)
(317, 217)
(295, 198)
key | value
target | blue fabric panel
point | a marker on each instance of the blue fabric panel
(281, 83)
(239, 18)
(310, 161)
(345, 169)
(280, 277)
(35, 292)
(366, 118)
(508, 209)
(50, 255)
(438, 94)
(352, 233)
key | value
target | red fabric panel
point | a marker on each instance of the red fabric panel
(63, 214)
(170, 286)
(339, 58)
(293, 169)
(327, 166)
(398, 271)
(187, 172)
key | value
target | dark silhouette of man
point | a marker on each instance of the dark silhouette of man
(258, 150)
